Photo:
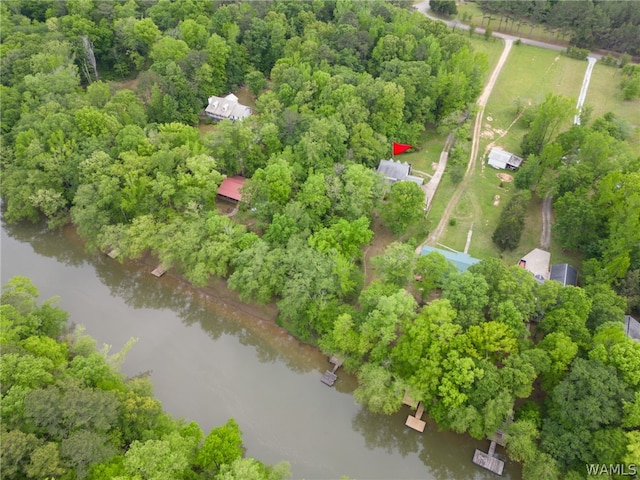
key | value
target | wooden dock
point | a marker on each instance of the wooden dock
(159, 271)
(330, 377)
(416, 421)
(410, 402)
(113, 253)
(489, 460)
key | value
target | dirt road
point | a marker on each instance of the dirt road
(435, 235)
(545, 237)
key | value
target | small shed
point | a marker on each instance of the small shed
(632, 327)
(230, 187)
(462, 261)
(564, 273)
(537, 262)
(501, 159)
(398, 171)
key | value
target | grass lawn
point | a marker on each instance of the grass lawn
(470, 13)
(604, 96)
(428, 151)
(492, 47)
(529, 74)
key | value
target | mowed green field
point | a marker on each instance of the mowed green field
(529, 74)
(604, 96)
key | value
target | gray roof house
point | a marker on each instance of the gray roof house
(564, 273)
(502, 159)
(397, 171)
(632, 327)
(226, 108)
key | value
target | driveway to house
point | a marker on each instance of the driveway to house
(482, 102)
(545, 237)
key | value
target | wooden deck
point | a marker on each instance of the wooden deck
(329, 378)
(113, 253)
(416, 421)
(159, 271)
(488, 460)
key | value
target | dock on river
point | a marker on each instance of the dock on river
(159, 271)
(489, 460)
(416, 421)
(330, 377)
(113, 253)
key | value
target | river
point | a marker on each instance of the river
(210, 361)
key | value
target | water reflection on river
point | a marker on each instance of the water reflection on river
(210, 361)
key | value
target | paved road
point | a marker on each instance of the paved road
(423, 7)
(584, 88)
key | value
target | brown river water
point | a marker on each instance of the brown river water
(211, 358)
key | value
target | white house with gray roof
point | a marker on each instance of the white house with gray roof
(226, 108)
(397, 171)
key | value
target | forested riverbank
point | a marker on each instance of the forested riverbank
(336, 83)
(68, 412)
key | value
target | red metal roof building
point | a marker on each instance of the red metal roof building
(230, 187)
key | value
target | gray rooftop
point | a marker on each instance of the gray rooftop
(500, 156)
(632, 327)
(397, 171)
(564, 273)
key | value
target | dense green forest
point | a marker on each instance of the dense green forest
(68, 412)
(335, 83)
(610, 25)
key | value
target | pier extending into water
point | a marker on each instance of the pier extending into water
(489, 460)
(414, 421)
(330, 377)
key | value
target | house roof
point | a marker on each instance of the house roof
(227, 107)
(564, 273)
(230, 187)
(397, 171)
(502, 157)
(462, 261)
(632, 327)
(537, 262)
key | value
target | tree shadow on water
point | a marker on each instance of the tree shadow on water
(387, 431)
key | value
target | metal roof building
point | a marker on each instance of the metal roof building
(230, 187)
(564, 273)
(502, 159)
(632, 327)
(397, 171)
(462, 261)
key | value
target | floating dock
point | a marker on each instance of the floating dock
(416, 421)
(159, 271)
(330, 377)
(113, 253)
(489, 460)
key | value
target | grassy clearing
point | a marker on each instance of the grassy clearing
(428, 151)
(471, 13)
(493, 49)
(604, 96)
(528, 76)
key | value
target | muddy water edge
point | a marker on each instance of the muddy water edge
(212, 357)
